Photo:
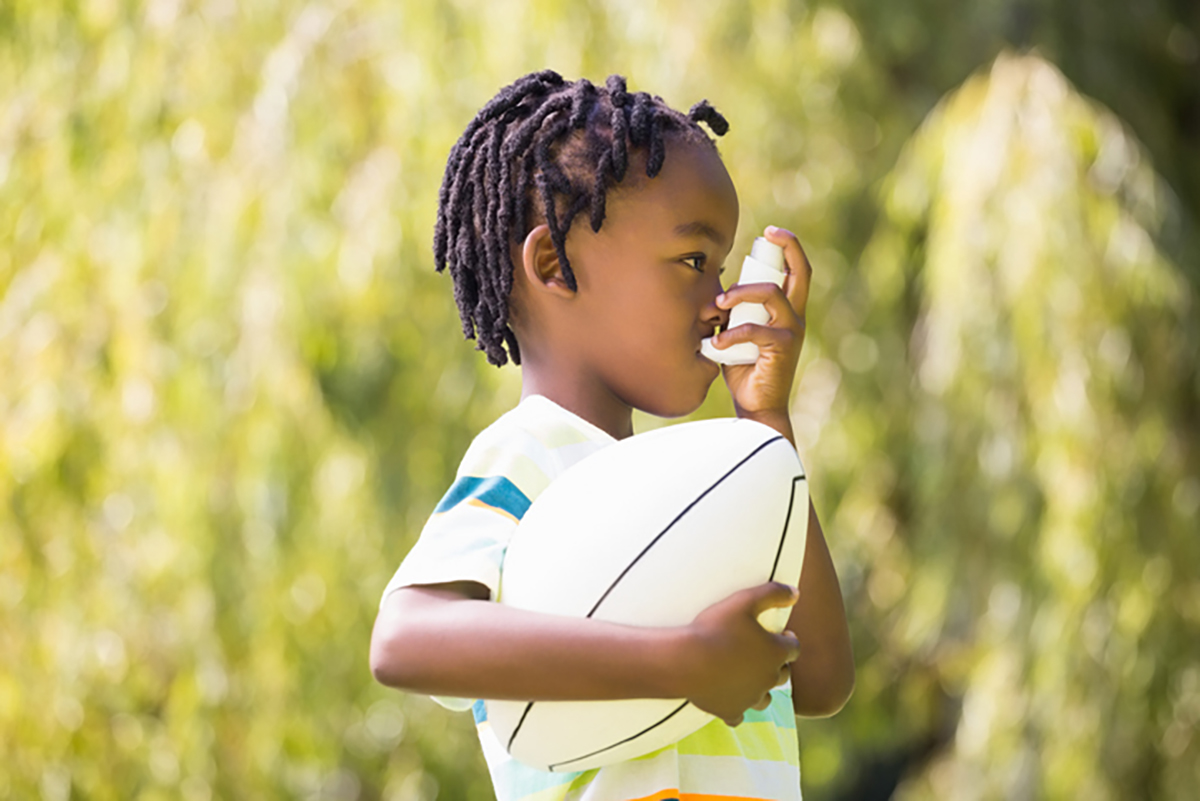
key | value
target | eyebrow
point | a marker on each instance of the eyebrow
(700, 228)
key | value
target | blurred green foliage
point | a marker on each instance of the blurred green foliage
(1014, 447)
(234, 388)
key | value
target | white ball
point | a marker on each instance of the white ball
(649, 531)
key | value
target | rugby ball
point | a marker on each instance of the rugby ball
(649, 531)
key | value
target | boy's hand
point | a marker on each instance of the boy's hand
(733, 662)
(763, 389)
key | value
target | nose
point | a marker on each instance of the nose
(712, 314)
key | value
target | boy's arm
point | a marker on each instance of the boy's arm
(823, 674)
(447, 639)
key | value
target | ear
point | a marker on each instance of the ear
(539, 259)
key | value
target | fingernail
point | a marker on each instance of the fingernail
(771, 229)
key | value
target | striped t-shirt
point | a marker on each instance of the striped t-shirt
(505, 469)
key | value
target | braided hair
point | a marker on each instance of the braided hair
(542, 149)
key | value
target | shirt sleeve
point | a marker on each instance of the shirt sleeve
(468, 533)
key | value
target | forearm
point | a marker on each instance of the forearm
(823, 674)
(437, 642)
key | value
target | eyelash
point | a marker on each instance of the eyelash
(702, 260)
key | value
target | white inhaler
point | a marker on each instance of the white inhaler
(764, 265)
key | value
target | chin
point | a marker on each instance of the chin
(672, 413)
(680, 404)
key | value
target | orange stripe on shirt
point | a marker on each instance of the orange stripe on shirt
(675, 795)
(490, 508)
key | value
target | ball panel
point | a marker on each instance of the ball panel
(580, 735)
(657, 474)
(708, 554)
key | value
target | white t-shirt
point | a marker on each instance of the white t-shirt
(507, 466)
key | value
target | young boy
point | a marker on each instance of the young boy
(605, 314)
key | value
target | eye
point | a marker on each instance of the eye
(699, 261)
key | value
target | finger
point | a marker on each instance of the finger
(761, 335)
(761, 597)
(772, 594)
(799, 278)
(770, 296)
(742, 293)
(788, 645)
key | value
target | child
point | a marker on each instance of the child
(585, 228)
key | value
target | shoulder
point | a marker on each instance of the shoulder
(529, 446)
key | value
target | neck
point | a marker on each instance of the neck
(578, 393)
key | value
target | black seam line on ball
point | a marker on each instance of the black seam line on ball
(517, 728)
(787, 525)
(631, 738)
(678, 517)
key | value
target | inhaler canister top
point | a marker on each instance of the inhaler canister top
(768, 253)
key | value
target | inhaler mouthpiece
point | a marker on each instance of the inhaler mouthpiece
(764, 265)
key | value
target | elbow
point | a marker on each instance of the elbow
(827, 698)
(383, 663)
(382, 667)
(390, 668)
(408, 641)
(387, 652)
(839, 694)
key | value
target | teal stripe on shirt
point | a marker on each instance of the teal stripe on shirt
(779, 712)
(495, 491)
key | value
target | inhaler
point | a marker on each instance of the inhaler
(764, 265)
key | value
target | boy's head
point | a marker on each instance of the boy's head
(542, 152)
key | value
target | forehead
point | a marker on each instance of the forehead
(692, 190)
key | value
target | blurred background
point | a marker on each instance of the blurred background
(232, 387)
